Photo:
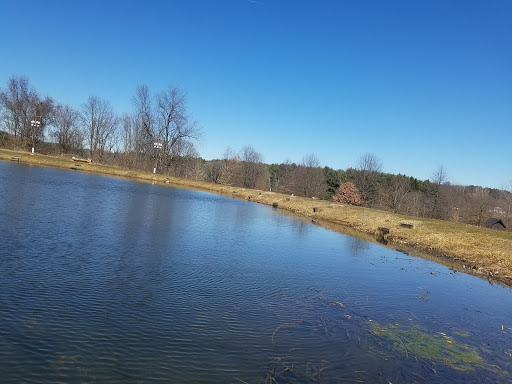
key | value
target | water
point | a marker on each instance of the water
(109, 280)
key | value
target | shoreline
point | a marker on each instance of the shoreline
(475, 250)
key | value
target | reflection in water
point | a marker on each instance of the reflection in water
(357, 246)
(107, 280)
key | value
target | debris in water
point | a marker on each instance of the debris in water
(425, 296)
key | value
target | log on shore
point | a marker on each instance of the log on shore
(82, 160)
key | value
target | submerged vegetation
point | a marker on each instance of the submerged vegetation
(395, 352)
(438, 347)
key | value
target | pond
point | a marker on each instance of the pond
(111, 280)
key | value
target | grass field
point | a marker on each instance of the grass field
(476, 250)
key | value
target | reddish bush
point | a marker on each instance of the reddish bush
(348, 194)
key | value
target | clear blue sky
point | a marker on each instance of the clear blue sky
(418, 83)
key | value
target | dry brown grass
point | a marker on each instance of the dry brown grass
(479, 250)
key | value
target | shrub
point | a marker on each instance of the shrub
(348, 194)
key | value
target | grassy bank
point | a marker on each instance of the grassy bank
(478, 250)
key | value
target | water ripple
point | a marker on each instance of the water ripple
(105, 280)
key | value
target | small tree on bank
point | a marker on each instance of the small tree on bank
(347, 194)
(369, 166)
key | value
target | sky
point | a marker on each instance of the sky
(419, 84)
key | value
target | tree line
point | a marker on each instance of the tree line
(366, 185)
(95, 130)
(160, 133)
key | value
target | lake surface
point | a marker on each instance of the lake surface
(110, 280)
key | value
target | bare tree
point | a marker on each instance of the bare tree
(231, 170)
(310, 178)
(414, 204)
(135, 149)
(229, 154)
(144, 109)
(310, 161)
(214, 170)
(278, 175)
(141, 129)
(249, 155)
(482, 205)
(306, 179)
(252, 167)
(473, 204)
(66, 131)
(188, 164)
(173, 123)
(439, 176)
(400, 187)
(369, 163)
(101, 124)
(40, 113)
(244, 169)
(144, 130)
(16, 100)
(368, 167)
(128, 133)
(163, 119)
(438, 201)
(24, 112)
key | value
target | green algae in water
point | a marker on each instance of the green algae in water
(462, 333)
(437, 347)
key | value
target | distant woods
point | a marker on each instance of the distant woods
(160, 132)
